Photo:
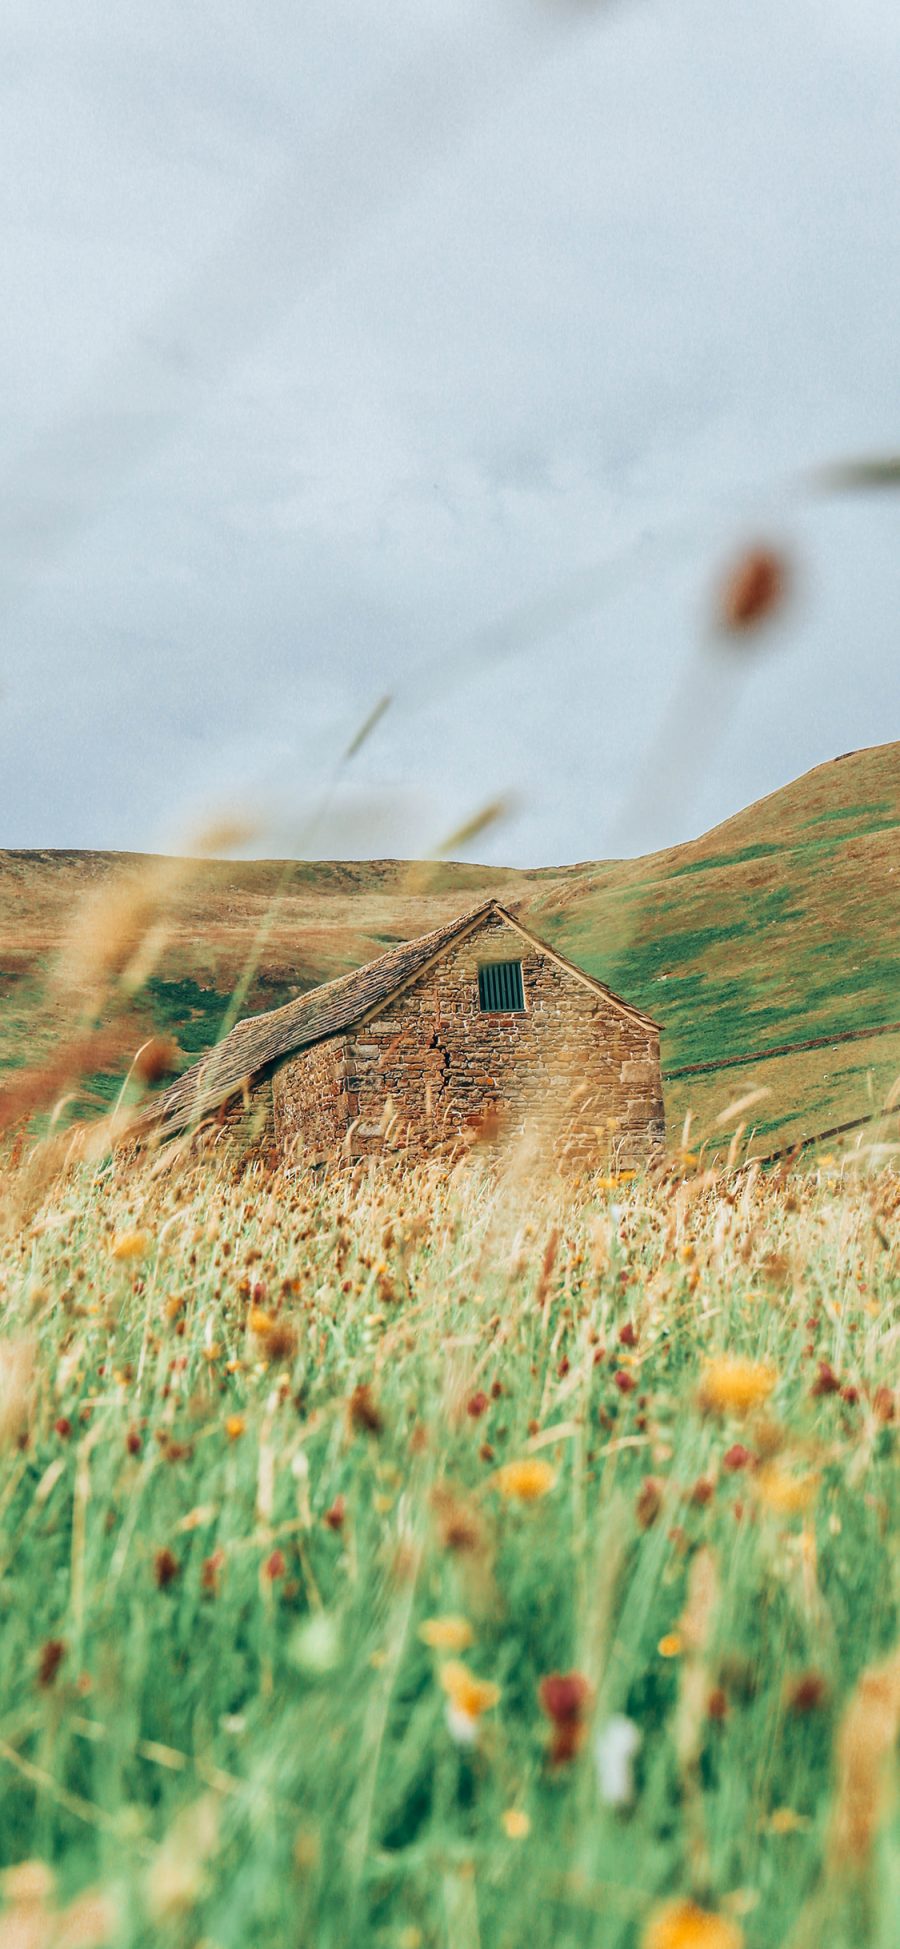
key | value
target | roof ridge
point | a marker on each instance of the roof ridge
(365, 967)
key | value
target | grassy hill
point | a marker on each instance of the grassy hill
(777, 926)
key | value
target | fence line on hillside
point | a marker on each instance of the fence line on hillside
(823, 1136)
(779, 1049)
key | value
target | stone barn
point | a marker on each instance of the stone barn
(475, 1030)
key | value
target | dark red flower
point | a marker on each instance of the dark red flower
(275, 1565)
(365, 1416)
(737, 1457)
(477, 1404)
(806, 1693)
(334, 1517)
(624, 1381)
(166, 1568)
(649, 1502)
(826, 1381)
(52, 1655)
(628, 1335)
(63, 1427)
(565, 1697)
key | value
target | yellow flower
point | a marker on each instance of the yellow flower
(234, 1426)
(130, 1245)
(783, 1493)
(671, 1645)
(732, 1385)
(446, 1633)
(516, 1824)
(525, 1481)
(682, 1925)
(783, 1820)
(259, 1321)
(469, 1695)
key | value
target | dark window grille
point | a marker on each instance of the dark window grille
(500, 988)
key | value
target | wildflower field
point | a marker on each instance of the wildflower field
(443, 1562)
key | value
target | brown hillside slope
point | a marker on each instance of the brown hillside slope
(779, 924)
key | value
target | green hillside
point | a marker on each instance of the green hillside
(778, 926)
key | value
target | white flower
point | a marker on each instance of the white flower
(614, 1749)
(464, 1726)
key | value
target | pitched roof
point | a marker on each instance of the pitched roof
(260, 1040)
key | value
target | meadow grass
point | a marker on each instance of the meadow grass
(308, 1489)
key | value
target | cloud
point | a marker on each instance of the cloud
(438, 353)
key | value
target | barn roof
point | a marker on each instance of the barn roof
(262, 1040)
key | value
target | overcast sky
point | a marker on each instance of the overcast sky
(444, 350)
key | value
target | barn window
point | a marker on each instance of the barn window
(500, 989)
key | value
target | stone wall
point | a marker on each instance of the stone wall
(311, 1103)
(246, 1120)
(574, 1069)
